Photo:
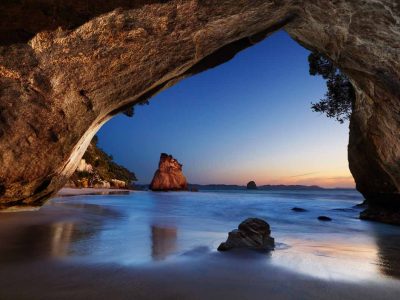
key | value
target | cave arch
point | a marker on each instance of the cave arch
(60, 80)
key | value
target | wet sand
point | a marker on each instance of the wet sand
(69, 192)
(199, 275)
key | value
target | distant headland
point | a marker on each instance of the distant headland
(267, 187)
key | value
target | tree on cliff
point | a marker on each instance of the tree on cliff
(104, 165)
(339, 99)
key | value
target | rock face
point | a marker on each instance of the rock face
(251, 185)
(119, 184)
(252, 233)
(169, 175)
(66, 67)
(84, 166)
(382, 214)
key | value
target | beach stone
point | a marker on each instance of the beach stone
(119, 184)
(252, 233)
(67, 67)
(169, 175)
(251, 185)
(299, 209)
(324, 218)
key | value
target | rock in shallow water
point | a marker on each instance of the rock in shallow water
(252, 233)
(324, 218)
(299, 209)
(251, 185)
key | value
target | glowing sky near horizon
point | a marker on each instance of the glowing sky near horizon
(248, 119)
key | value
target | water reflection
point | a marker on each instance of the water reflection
(56, 236)
(61, 238)
(164, 241)
(389, 254)
(38, 241)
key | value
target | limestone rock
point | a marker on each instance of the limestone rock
(67, 67)
(70, 184)
(119, 184)
(84, 167)
(251, 185)
(102, 184)
(381, 214)
(252, 233)
(169, 175)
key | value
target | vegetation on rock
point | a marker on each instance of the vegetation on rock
(104, 170)
(339, 99)
(130, 111)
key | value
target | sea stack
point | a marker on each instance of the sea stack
(169, 175)
(251, 185)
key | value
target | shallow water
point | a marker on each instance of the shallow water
(154, 231)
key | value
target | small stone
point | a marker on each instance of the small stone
(299, 209)
(251, 185)
(324, 218)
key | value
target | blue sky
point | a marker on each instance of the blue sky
(248, 119)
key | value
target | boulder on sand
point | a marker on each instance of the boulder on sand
(252, 233)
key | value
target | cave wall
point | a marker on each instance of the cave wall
(363, 39)
(67, 67)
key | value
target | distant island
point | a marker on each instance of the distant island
(251, 185)
(267, 187)
(261, 187)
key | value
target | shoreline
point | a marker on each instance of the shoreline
(70, 192)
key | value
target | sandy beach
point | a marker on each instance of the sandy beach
(196, 275)
(69, 192)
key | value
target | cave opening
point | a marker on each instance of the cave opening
(67, 69)
(249, 118)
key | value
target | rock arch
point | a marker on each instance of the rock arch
(68, 67)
